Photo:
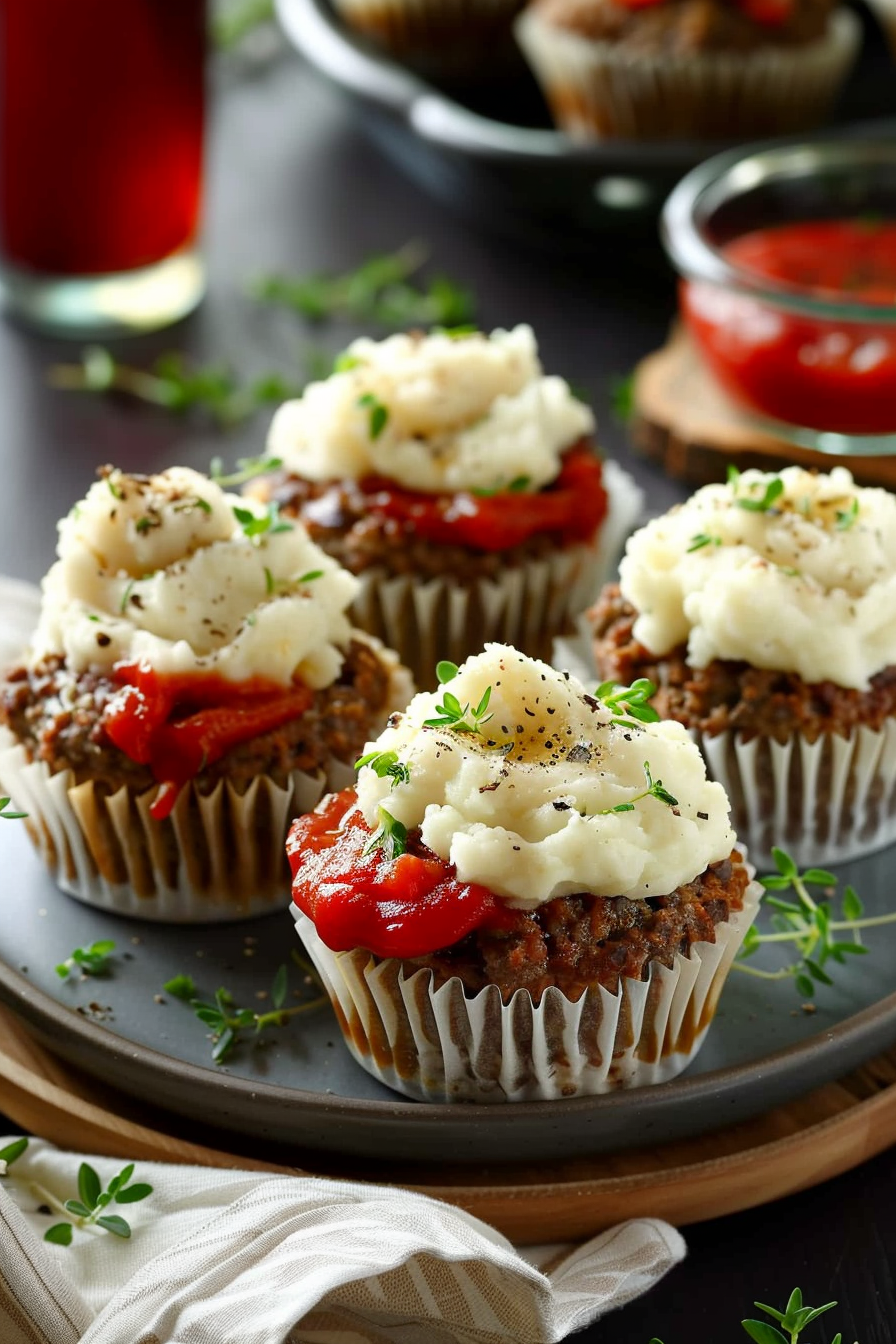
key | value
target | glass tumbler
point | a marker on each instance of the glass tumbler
(101, 130)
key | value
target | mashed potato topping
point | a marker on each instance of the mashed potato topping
(436, 413)
(527, 805)
(171, 570)
(793, 571)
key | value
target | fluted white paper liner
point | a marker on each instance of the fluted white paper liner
(824, 802)
(599, 88)
(527, 606)
(218, 857)
(439, 1045)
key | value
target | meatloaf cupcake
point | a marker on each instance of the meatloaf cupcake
(460, 485)
(193, 683)
(763, 611)
(443, 39)
(693, 69)
(530, 894)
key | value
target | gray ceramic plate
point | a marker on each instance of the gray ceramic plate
(301, 1090)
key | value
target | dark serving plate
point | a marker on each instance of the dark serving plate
(298, 1089)
(489, 150)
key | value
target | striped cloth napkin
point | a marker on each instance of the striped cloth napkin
(230, 1257)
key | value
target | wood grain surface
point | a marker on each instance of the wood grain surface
(684, 421)
(791, 1148)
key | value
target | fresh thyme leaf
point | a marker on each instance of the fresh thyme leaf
(622, 397)
(515, 487)
(446, 671)
(114, 487)
(126, 595)
(794, 1319)
(11, 1153)
(844, 518)
(255, 526)
(629, 703)
(60, 1234)
(310, 576)
(458, 333)
(385, 765)
(379, 414)
(452, 714)
(345, 362)
(390, 836)
(247, 468)
(228, 1021)
(654, 790)
(270, 582)
(701, 539)
(10, 816)
(92, 960)
(773, 490)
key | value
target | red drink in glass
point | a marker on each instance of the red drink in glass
(101, 128)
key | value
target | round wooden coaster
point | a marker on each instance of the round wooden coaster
(684, 421)
(823, 1134)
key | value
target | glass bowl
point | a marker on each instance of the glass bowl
(787, 258)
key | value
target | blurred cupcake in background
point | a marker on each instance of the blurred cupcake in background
(762, 610)
(452, 39)
(460, 485)
(194, 682)
(688, 69)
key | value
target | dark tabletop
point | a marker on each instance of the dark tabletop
(294, 185)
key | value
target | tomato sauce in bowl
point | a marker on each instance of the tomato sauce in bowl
(824, 372)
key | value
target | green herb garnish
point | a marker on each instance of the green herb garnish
(10, 816)
(844, 518)
(622, 397)
(255, 526)
(701, 539)
(773, 490)
(515, 487)
(390, 836)
(87, 1209)
(247, 468)
(310, 575)
(92, 960)
(654, 789)
(629, 703)
(345, 362)
(461, 718)
(379, 414)
(11, 1153)
(379, 290)
(808, 924)
(231, 25)
(228, 1021)
(385, 765)
(793, 1319)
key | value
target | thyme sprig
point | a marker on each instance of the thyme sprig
(773, 490)
(701, 539)
(461, 718)
(10, 816)
(92, 960)
(255, 525)
(793, 1319)
(228, 1021)
(809, 924)
(174, 384)
(380, 290)
(391, 836)
(87, 1210)
(844, 518)
(247, 468)
(385, 765)
(630, 704)
(11, 1153)
(378, 413)
(654, 789)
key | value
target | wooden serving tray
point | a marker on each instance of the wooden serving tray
(683, 420)
(792, 1148)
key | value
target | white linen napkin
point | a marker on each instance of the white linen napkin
(229, 1257)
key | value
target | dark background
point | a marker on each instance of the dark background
(294, 185)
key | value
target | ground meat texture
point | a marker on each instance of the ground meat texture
(725, 695)
(58, 717)
(337, 517)
(576, 941)
(685, 27)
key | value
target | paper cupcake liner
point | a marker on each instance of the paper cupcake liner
(528, 606)
(447, 37)
(439, 1045)
(218, 857)
(598, 88)
(824, 801)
